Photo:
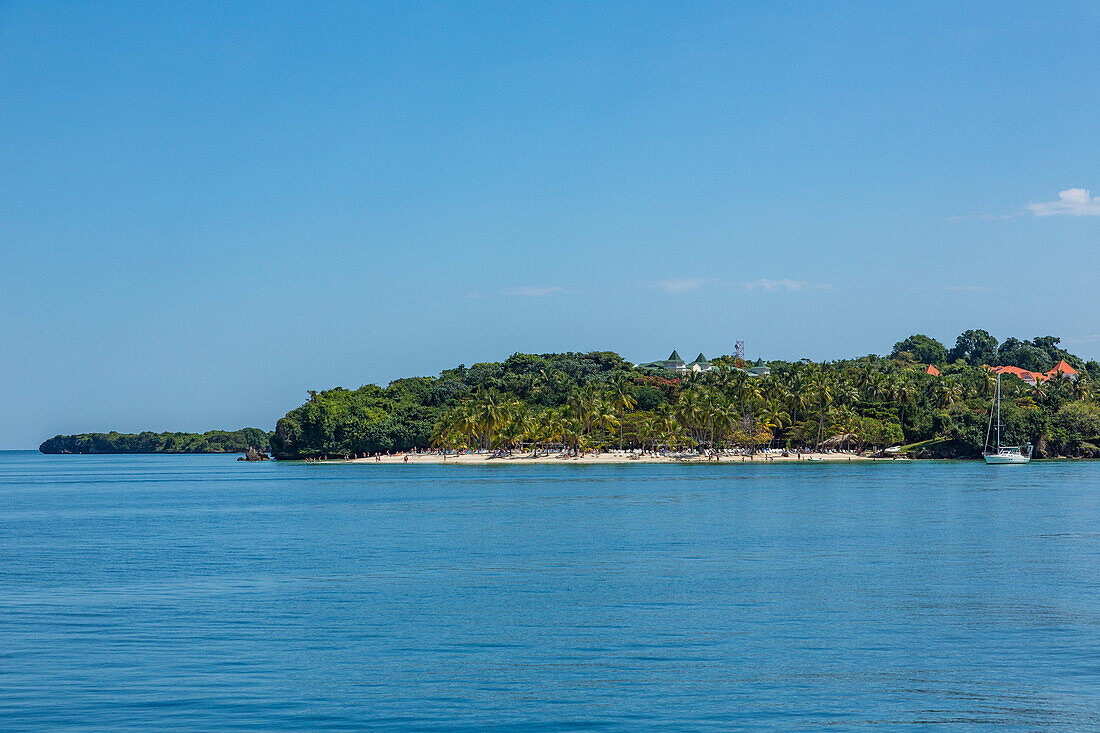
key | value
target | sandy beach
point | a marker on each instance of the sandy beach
(607, 457)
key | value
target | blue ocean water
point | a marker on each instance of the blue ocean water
(198, 593)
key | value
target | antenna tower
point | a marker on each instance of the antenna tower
(739, 350)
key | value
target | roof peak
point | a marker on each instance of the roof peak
(675, 356)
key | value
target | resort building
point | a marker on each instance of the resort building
(672, 363)
(676, 364)
(1064, 369)
(759, 369)
(700, 364)
(1024, 374)
(1060, 369)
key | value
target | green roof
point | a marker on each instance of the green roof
(759, 362)
(675, 356)
(700, 359)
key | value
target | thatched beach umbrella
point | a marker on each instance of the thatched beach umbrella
(838, 441)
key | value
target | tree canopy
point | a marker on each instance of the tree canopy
(212, 441)
(581, 401)
(975, 347)
(597, 400)
(924, 349)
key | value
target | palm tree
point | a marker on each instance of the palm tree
(691, 411)
(879, 387)
(622, 399)
(585, 404)
(556, 427)
(446, 435)
(947, 392)
(535, 430)
(607, 420)
(987, 383)
(801, 395)
(1041, 392)
(463, 422)
(823, 396)
(749, 392)
(724, 419)
(490, 411)
(1082, 389)
(902, 392)
(774, 417)
(667, 424)
(645, 428)
(573, 431)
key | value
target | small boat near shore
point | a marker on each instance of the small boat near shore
(1001, 454)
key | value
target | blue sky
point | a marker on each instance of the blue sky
(207, 209)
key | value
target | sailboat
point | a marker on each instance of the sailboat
(1002, 454)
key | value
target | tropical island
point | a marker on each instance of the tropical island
(923, 400)
(212, 441)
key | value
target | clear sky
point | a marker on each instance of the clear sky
(208, 208)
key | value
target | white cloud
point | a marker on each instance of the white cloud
(693, 284)
(534, 291)
(784, 284)
(682, 284)
(1071, 202)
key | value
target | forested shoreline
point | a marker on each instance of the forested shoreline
(212, 441)
(596, 400)
(580, 402)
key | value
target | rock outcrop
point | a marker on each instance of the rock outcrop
(254, 455)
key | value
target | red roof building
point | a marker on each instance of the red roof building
(1024, 374)
(932, 370)
(1064, 369)
(1060, 369)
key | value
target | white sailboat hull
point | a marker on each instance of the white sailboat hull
(1006, 458)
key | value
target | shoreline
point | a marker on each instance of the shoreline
(608, 458)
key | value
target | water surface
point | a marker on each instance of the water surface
(198, 593)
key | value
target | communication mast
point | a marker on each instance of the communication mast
(739, 350)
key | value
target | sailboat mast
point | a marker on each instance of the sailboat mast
(998, 413)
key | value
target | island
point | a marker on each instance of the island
(922, 400)
(212, 441)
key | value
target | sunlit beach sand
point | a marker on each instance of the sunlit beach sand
(606, 457)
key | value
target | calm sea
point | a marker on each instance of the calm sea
(198, 593)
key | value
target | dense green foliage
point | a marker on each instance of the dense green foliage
(213, 441)
(919, 347)
(597, 400)
(1040, 354)
(975, 348)
(405, 414)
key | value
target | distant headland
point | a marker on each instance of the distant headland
(212, 441)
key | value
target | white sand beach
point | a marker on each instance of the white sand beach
(606, 457)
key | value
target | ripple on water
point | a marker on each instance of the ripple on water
(191, 593)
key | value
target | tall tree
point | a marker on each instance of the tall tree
(924, 349)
